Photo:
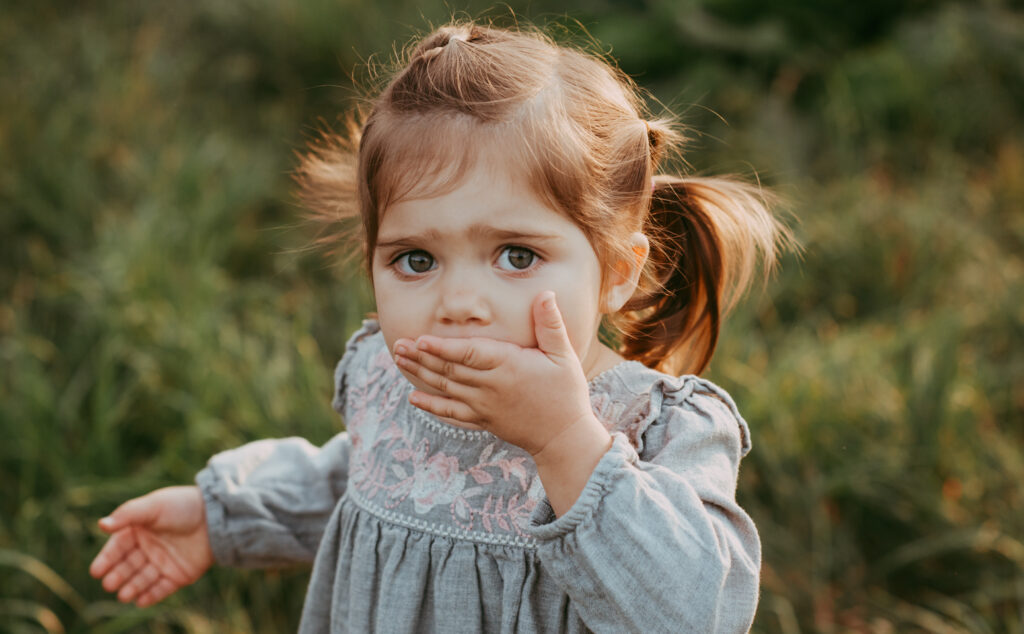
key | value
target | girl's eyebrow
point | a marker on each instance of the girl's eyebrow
(410, 240)
(483, 231)
(474, 232)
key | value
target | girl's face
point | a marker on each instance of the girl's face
(469, 263)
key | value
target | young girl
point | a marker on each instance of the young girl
(505, 467)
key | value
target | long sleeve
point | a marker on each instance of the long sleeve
(267, 502)
(656, 541)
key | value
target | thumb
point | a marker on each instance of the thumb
(548, 327)
(142, 511)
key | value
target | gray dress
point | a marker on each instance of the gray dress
(414, 525)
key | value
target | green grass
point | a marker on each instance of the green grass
(158, 304)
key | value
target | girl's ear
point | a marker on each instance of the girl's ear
(625, 275)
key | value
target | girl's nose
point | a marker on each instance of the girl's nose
(461, 304)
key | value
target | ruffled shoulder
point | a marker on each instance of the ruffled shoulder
(649, 407)
(359, 344)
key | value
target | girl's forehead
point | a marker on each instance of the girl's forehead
(484, 193)
(494, 182)
(424, 156)
(435, 171)
(433, 157)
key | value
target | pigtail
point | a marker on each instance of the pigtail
(708, 236)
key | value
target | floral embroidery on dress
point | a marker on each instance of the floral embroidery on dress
(424, 471)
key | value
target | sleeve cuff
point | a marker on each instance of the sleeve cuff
(543, 523)
(220, 544)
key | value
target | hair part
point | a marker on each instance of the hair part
(580, 131)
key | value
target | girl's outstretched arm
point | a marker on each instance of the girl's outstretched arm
(262, 504)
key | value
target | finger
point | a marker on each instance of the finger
(123, 571)
(476, 353)
(406, 347)
(437, 381)
(157, 592)
(452, 369)
(139, 583)
(117, 548)
(137, 511)
(455, 371)
(444, 407)
(549, 329)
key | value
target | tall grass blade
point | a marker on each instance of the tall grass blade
(44, 574)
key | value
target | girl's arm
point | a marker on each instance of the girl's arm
(656, 541)
(263, 504)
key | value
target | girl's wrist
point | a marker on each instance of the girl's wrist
(585, 432)
(566, 463)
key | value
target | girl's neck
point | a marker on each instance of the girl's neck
(604, 359)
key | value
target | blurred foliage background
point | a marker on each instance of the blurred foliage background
(159, 303)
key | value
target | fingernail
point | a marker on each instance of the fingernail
(400, 349)
(549, 301)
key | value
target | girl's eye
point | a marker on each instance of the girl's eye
(516, 258)
(414, 262)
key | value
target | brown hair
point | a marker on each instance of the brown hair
(580, 130)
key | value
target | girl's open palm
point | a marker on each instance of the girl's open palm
(158, 544)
